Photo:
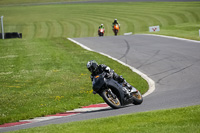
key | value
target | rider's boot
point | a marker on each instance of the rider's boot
(128, 85)
(126, 92)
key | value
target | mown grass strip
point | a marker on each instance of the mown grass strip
(181, 120)
(83, 19)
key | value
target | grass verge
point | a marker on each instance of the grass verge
(180, 120)
(42, 76)
(185, 30)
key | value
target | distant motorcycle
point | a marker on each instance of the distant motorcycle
(101, 32)
(116, 29)
(113, 93)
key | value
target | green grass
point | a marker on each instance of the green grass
(181, 120)
(185, 30)
(44, 73)
(82, 20)
(41, 76)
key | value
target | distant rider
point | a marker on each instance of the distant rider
(114, 23)
(96, 69)
(101, 27)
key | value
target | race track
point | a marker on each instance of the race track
(173, 64)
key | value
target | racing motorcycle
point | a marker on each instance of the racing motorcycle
(101, 32)
(113, 93)
(116, 29)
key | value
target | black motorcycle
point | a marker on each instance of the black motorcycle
(113, 93)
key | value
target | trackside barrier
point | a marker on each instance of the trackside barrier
(11, 35)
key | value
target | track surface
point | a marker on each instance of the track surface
(173, 64)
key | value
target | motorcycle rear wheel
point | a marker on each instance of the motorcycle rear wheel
(137, 98)
(111, 99)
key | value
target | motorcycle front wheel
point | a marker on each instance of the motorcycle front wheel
(137, 98)
(116, 31)
(110, 98)
(100, 34)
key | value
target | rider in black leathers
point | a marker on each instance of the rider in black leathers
(96, 69)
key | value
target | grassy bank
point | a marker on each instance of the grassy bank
(184, 30)
(181, 120)
(82, 20)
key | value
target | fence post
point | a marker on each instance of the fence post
(2, 27)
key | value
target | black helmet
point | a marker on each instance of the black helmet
(92, 65)
(115, 21)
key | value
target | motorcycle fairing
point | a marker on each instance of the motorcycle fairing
(117, 88)
(98, 82)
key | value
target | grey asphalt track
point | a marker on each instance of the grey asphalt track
(173, 64)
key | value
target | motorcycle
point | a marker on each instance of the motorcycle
(113, 93)
(116, 29)
(101, 32)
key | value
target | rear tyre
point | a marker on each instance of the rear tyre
(137, 98)
(111, 99)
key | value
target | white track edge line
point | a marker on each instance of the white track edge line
(150, 82)
(171, 37)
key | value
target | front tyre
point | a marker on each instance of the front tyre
(137, 98)
(100, 34)
(110, 98)
(116, 31)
